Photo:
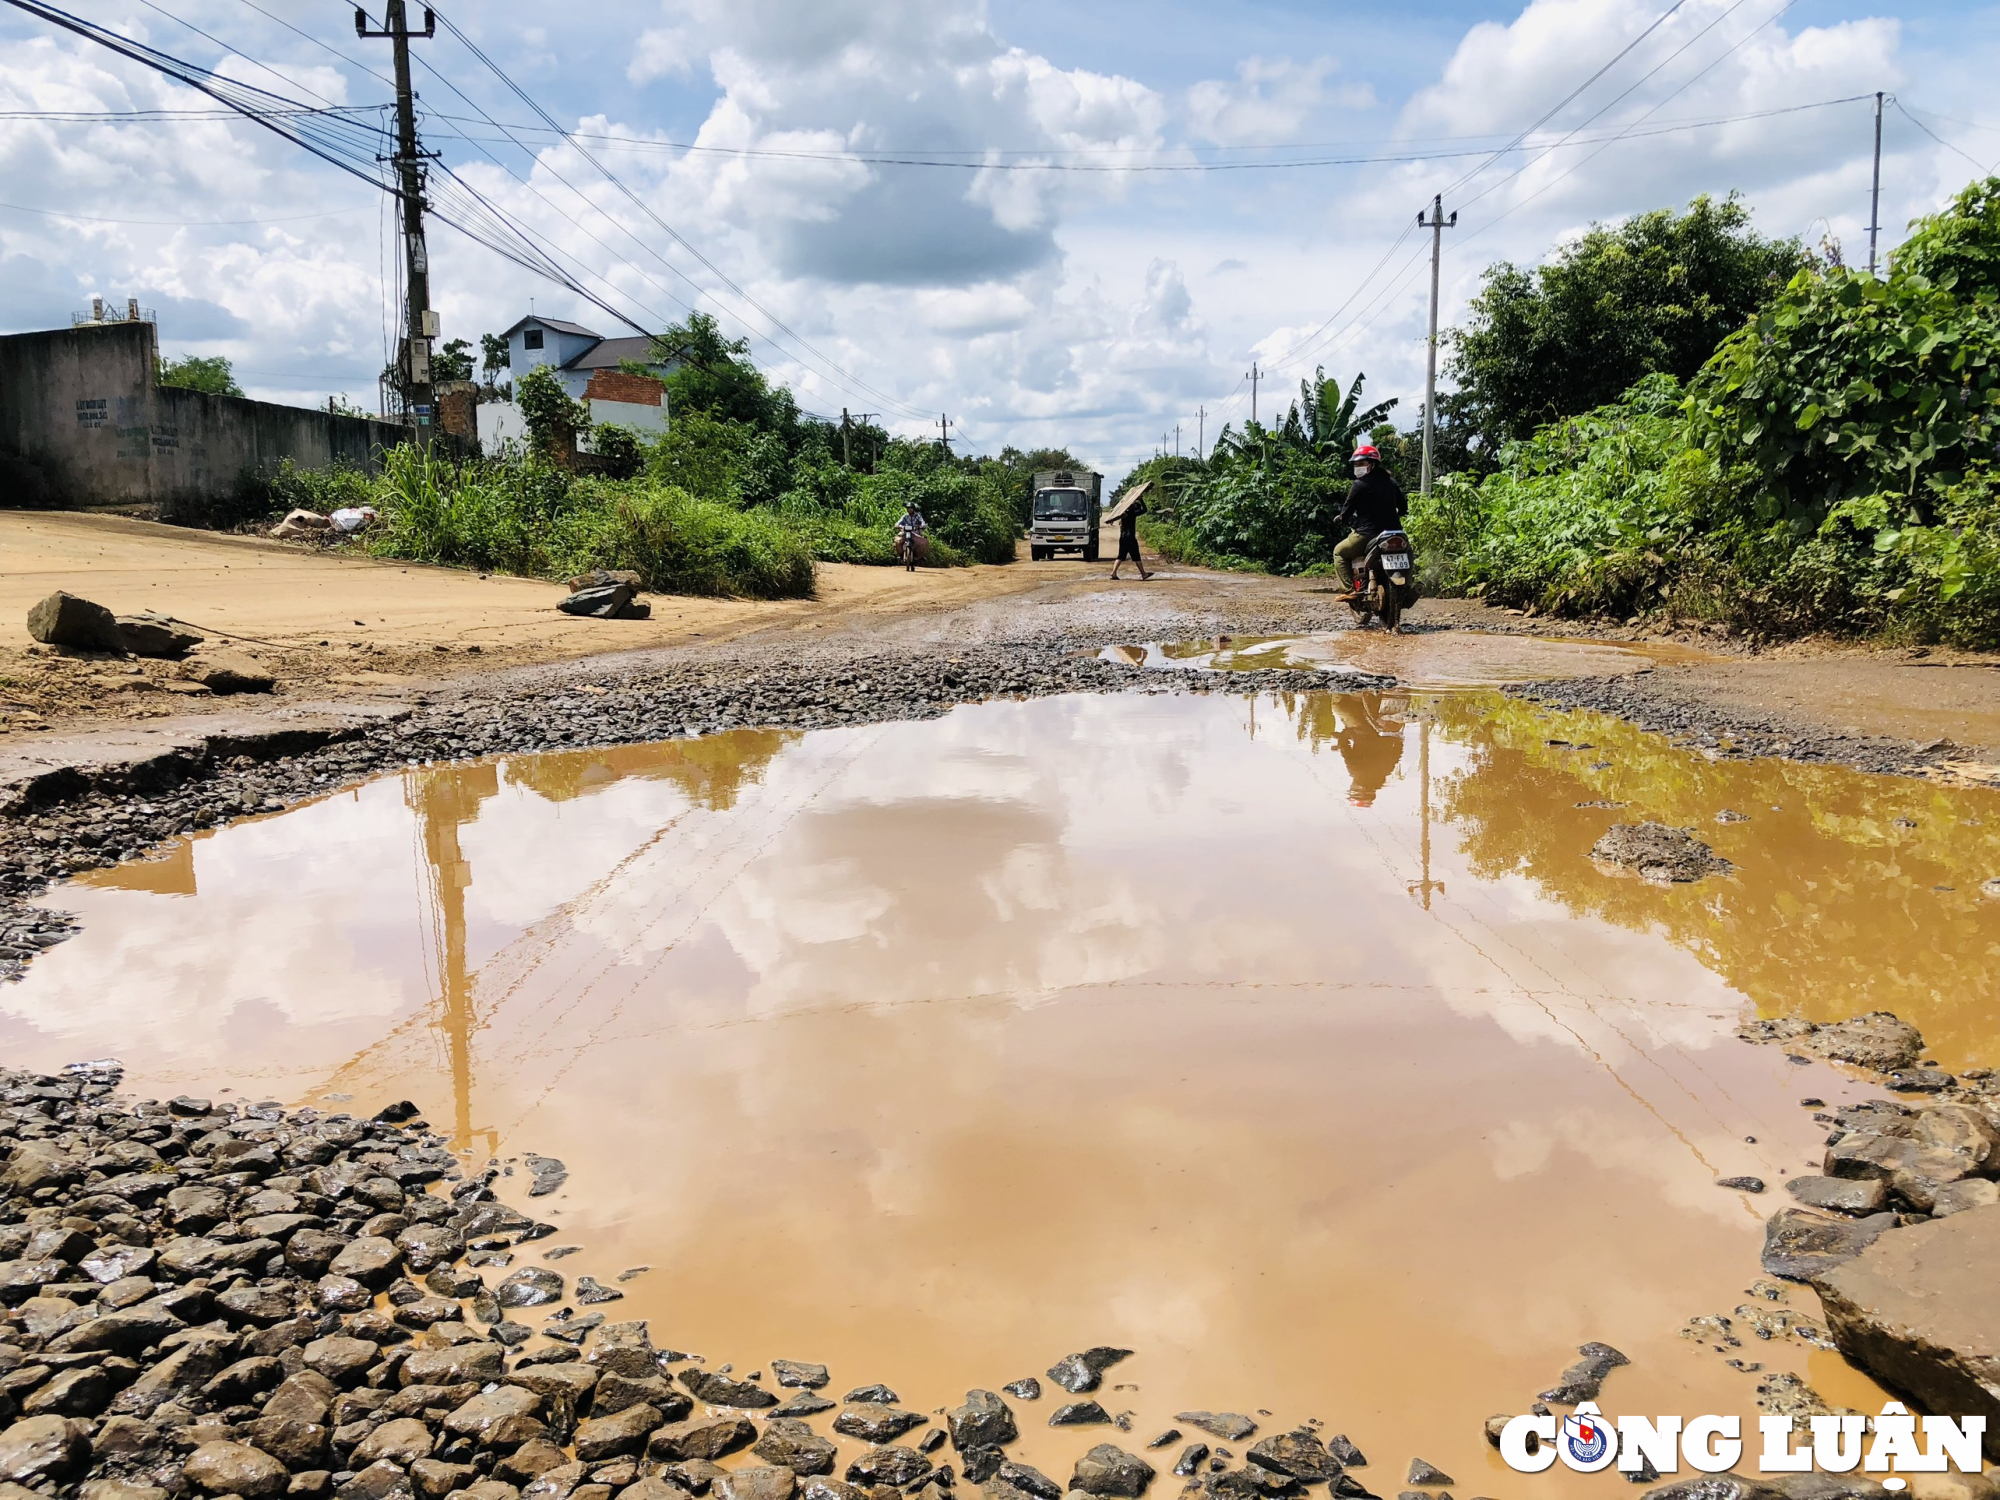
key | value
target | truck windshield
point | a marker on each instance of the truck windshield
(1061, 505)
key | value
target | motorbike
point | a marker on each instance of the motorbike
(1386, 580)
(912, 547)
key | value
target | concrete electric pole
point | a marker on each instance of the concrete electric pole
(1875, 189)
(1201, 433)
(1253, 377)
(421, 325)
(944, 432)
(1437, 223)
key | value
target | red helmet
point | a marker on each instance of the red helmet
(1366, 451)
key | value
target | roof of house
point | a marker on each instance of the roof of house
(556, 323)
(610, 353)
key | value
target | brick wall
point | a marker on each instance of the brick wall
(616, 385)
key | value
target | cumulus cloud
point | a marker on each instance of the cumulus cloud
(1268, 102)
(1036, 304)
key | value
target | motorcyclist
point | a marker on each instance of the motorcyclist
(1375, 504)
(911, 531)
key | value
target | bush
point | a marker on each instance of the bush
(535, 518)
(324, 491)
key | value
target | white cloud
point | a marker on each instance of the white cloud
(1091, 308)
(1269, 102)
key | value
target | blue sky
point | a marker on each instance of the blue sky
(1095, 309)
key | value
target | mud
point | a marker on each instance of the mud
(1416, 658)
(1291, 1040)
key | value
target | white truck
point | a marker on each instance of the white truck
(1067, 511)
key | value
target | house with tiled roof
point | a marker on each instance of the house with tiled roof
(593, 369)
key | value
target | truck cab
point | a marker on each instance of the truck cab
(1068, 509)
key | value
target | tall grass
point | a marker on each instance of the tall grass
(534, 519)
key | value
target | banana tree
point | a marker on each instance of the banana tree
(1329, 423)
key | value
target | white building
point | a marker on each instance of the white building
(591, 369)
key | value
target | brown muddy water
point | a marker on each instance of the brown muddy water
(1293, 1042)
(1423, 659)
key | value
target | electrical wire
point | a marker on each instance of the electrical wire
(1983, 168)
(1564, 102)
(1728, 52)
(847, 378)
(875, 159)
(50, 213)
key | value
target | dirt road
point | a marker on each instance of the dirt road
(339, 628)
(333, 625)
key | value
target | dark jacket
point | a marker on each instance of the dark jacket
(1375, 502)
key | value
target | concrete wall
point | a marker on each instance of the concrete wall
(82, 422)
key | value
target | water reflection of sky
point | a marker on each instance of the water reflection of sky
(1152, 1020)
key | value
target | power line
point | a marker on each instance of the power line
(941, 160)
(847, 377)
(51, 213)
(1983, 168)
(1564, 102)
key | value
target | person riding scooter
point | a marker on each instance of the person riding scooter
(912, 537)
(1375, 504)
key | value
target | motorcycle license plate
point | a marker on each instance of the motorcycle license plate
(1396, 562)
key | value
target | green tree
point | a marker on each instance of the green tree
(713, 374)
(554, 420)
(493, 358)
(1330, 423)
(452, 362)
(200, 372)
(1850, 384)
(1654, 294)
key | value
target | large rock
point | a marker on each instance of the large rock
(1840, 1195)
(896, 1466)
(1800, 1246)
(704, 1437)
(1658, 852)
(64, 619)
(791, 1443)
(235, 1469)
(531, 1286)
(875, 1422)
(1300, 1454)
(43, 1448)
(757, 1482)
(461, 1364)
(151, 635)
(1230, 1426)
(1109, 1470)
(401, 1441)
(486, 1411)
(1916, 1309)
(720, 1390)
(1877, 1040)
(625, 1432)
(605, 601)
(370, 1260)
(985, 1421)
(1081, 1372)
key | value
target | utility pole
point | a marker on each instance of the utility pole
(421, 325)
(1422, 889)
(944, 432)
(1201, 432)
(1875, 190)
(1177, 440)
(1436, 224)
(1253, 377)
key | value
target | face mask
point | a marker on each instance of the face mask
(1359, 470)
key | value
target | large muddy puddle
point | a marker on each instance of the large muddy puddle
(1420, 658)
(1294, 1043)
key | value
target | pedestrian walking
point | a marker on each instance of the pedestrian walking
(1128, 534)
